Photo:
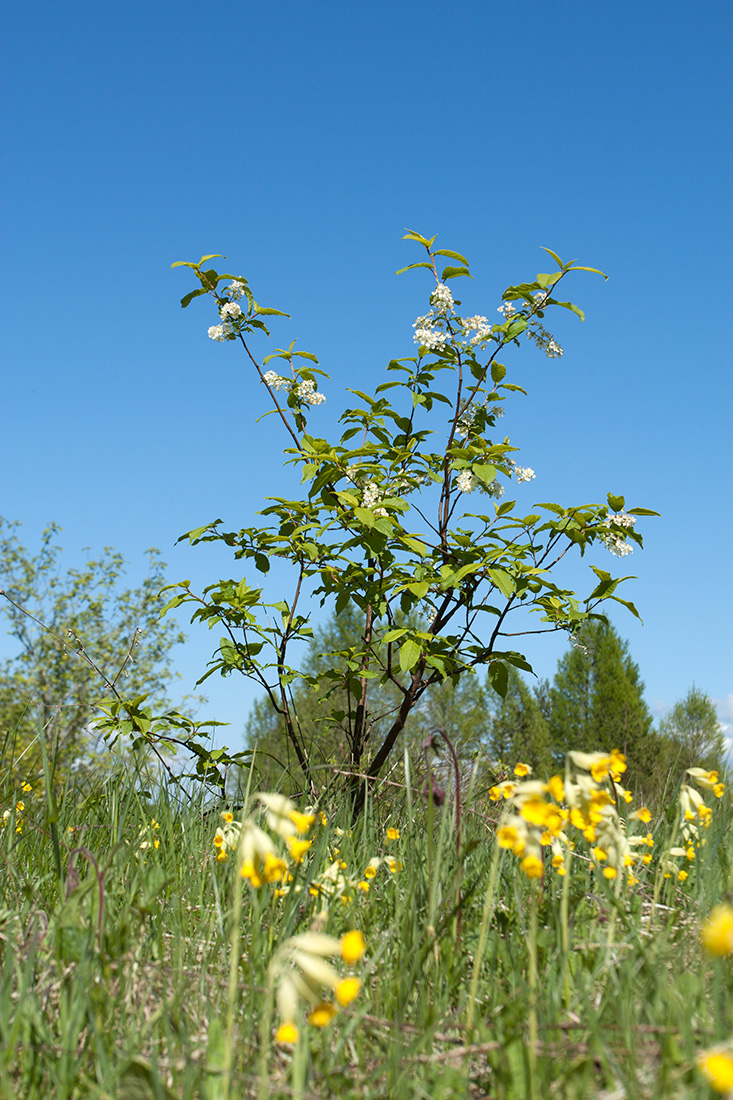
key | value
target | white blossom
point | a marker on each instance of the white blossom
(275, 381)
(523, 473)
(370, 494)
(479, 325)
(553, 349)
(307, 393)
(507, 309)
(230, 310)
(235, 290)
(614, 541)
(220, 333)
(495, 489)
(466, 481)
(442, 299)
(540, 298)
(430, 338)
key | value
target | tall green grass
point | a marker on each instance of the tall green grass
(133, 969)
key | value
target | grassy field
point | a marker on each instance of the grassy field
(138, 963)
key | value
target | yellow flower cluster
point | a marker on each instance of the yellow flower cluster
(258, 857)
(540, 815)
(300, 969)
(694, 815)
(16, 815)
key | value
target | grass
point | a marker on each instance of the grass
(137, 966)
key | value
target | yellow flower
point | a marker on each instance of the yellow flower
(26, 788)
(363, 886)
(628, 796)
(546, 838)
(644, 814)
(322, 818)
(633, 881)
(274, 868)
(522, 770)
(19, 807)
(690, 853)
(297, 847)
(347, 990)
(221, 855)
(646, 859)
(704, 813)
(227, 817)
(532, 866)
(717, 931)
(507, 836)
(286, 1033)
(353, 947)
(556, 787)
(494, 794)
(681, 876)
(718, 790)
(718, 1068)
(393, 865)
(393, 834)
(302, 822)
(590, 834)
(535, 811)
(322, 1014)
(250, 872)
(609, 872)
(218, 840)
(371, 868)
(599, 854)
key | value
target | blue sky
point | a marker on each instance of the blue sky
(300, 139)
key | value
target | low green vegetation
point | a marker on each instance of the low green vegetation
(159, 948)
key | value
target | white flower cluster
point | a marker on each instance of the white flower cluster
(523, 473)
(540, 298)
(479, 325)
(507, 309)
(426, 336)
(235, 290)
(222, 333)
(230, 311)
(370, 494)
(441, 299)
(308, 394)
(553, 349)
(615, 541)
(466, 481)
(495, 489)
(465, 421)
(275, 381)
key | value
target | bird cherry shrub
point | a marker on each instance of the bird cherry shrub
(406, 516)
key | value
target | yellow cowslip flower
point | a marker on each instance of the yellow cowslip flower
(274, 868)
(590, 834)
(507, 836)
(322, 1014)
(681, 876)
(690, 853)
(507, 789)
(532, 866)
(717, 931)
(393, 865)
(297, 847)
(519, 847)
(286, 1033)
(372, 867)
(627, 796)
(218, 839)
(250, 872)
(632, 880)
(600, 768)
(522, 770)
(26, 788)
(599, 854)
(579, 820)
(353, 947)
(617, 764)
(558, 863)
(546, 838)
(718, 1068)
(494, 794)
(628, 861)
(322, 818)
(556, 787)
(609, 872)
(643, 814)
(221, 855)
(19, 807)
(648, 840)
(363, 886)
(227, 817)
(393, 834)
(718, 790)
(646, 859)
(302, 822)
(347, 990)
(534, 811)
(342, 865)
(705, 814)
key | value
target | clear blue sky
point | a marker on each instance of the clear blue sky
(300, 139)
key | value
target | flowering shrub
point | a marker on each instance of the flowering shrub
(389, 522)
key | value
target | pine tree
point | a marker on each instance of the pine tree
(519, 730)
(597, 701)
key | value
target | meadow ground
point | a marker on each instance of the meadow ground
(370, 959)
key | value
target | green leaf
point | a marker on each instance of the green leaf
(643, 512)
(419, 589)
(502, 580)
(451, 255)
(498, 371)
(393, 635)
(409, 655)
(265, 311)
(188, 298)
(409, 267)
(567, 305)
(616, 503)
(499, 677)
(516, 328)
(593, 270)
(415, 544)
(455, 273)
(365, 516)
(484, 472)
(304, 354)
(410, 236)
(511, 386)
(554, 255)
